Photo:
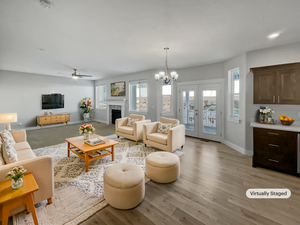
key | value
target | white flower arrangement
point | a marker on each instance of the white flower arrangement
(266, 111)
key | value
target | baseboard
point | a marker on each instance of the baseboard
(100, 121)
(237, 148)
(50, 126)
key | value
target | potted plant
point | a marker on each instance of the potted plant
(16, 175)
(86, 105)
(86, 130)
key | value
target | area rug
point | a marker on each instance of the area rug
(79, 194)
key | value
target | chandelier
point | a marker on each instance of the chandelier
(165, 76)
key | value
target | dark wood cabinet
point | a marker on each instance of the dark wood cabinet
(264, 87)
(277, 84)
(275, 149)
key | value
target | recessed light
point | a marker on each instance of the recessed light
(274, 35)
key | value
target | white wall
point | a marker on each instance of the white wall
(22, 93)
(235, 132)
(205, 72)
(266, 57)
(212, 71)
(101, 115)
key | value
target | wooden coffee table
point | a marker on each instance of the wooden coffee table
(78, 142)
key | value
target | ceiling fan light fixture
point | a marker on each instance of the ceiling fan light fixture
(75, 77)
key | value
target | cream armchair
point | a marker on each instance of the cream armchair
(167, 142)
(133, 133)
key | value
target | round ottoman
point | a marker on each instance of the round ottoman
(124, 185)
(162, 167)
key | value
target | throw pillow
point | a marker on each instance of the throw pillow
(9, 153)
(165, 127)
(7, 137)
(1, 156)
(131, 122)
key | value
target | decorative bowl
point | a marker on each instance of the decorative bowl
(287, 123)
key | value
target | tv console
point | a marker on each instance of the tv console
(51, 119)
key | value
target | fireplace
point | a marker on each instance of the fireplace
(115, 114)
(114, 105)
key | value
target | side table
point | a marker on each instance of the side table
(10, 198)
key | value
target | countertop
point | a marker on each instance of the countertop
(292, 128)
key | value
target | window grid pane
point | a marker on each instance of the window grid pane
(138, 96)
(101, 96)
(167, 103)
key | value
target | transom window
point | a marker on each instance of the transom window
(101, 96)
(167, 96)
(138, 96)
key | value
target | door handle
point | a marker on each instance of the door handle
(273, 133)
(196, 114)
(278, 99)
(272, 160)
(274, 145)
(274, 99)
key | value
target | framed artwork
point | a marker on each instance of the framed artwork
(117, 88)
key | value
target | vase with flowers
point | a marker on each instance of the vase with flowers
(86, 130)
(266, 115)
(16, 177)
(87, 108)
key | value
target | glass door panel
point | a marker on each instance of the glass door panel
(209, 111)
(188, 110)
(210, 125)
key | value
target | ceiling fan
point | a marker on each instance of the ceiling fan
(77, 75)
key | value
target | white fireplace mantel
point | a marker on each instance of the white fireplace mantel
(109, 102)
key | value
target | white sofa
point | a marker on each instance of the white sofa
(167, 142)
(41, 167)
(135, 132)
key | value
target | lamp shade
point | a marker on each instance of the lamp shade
(8, 117)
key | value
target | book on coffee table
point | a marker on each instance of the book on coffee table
(102, 152)
(93, 154)
(94, 141)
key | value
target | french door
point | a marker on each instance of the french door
(200, 110)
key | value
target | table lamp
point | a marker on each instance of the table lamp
(8, 118)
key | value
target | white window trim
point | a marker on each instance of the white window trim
(129, 108)
(97, 106)
(231, 117)
(171, 113)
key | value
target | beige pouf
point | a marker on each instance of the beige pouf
(162, 167)
(124, 185)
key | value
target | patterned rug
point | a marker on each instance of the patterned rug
(79, 194)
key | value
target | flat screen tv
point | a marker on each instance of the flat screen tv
(53, 101)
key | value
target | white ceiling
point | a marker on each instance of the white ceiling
(108, 38)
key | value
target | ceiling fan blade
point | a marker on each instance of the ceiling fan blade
(84, 75)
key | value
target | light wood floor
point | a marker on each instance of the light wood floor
(211, 190)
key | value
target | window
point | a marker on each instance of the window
(167, 96)
(101, 97)
(138, 93)
(234, 93)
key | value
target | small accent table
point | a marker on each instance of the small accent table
(10, 198)
(78, 142)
